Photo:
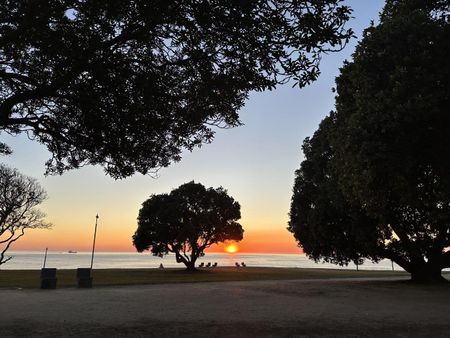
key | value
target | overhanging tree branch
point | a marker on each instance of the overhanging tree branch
(137, 90)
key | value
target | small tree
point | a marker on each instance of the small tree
(186, 222)
(19, 196)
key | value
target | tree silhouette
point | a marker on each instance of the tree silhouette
(130, 84)
(322, 220)
(186, 222)
(19, 196)
(384, 153)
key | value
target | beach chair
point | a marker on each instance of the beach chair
(208, 265)
(201, 265)
(243, 265)
(214, 265)
(237, 265)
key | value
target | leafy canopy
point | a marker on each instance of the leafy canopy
(130, 84)
(187, 221)
(326, 225)
(376, 181)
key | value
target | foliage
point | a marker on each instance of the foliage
(130, 84)
(187, 221)
(322, 220)
(19, 196)
(388, 148)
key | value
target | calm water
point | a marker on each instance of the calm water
(30, 260)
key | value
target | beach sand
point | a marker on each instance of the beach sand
(296, 308)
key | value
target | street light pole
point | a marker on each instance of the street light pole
(93, 244)
(45, 257)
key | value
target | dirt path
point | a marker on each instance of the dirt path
(231, 309)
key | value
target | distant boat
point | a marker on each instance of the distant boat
(70, 251)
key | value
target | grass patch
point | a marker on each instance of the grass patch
(105, 277)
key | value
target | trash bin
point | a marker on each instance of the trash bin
(84, 278)
(48, 278)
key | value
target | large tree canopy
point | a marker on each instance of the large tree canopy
(327, 226)
(385, 152)
(186, 222)
(130, 84)
(19, 197)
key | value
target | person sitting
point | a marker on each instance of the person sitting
(237, 265)
(214, 265)
(208, 265)
(243, 265)
(161, 266)
(201, 265)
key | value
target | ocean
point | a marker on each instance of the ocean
(33, 260)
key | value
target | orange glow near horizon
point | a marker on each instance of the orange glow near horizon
(70, 234)
(231, 248)
(263, 241)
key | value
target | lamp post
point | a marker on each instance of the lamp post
(93, 244)
(84, 274)
(45, 257)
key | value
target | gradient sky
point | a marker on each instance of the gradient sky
(255, 163)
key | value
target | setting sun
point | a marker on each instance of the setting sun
(232, 248)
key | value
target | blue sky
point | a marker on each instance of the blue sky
(254, 162)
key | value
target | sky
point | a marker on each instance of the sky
(255, 163)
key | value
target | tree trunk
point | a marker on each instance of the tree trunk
(190, 266)
(427, 273)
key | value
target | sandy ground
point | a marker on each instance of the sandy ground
(334, 308)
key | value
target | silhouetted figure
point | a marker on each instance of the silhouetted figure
(208, 265)
(214, 265)
(243, 265)
(201, 265)
(161, 266)
(237, 265)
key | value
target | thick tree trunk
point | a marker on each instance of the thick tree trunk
(421, 271)
(427, 273)
(190, 266)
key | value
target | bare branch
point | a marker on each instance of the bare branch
(19, 197)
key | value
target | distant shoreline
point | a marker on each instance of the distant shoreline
(146, 252)
(111, 260)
